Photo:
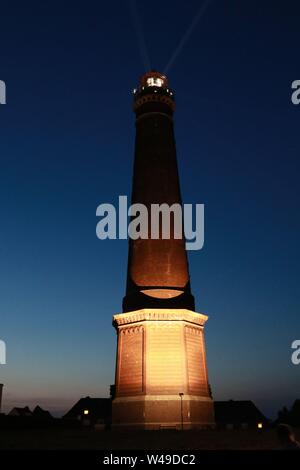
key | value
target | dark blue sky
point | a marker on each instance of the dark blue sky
(66, 145)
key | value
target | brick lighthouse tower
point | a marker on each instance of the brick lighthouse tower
(161, 373)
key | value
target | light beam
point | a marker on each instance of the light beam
(187, 34)
(140, 36)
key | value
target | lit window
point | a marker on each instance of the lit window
(153, 81)
(259, 425)
(86, 412)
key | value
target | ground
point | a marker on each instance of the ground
(132, 440)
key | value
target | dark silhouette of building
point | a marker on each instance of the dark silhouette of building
(234, 414)
(41, 414)
(22, 412)
(37, 413)
(90, 411)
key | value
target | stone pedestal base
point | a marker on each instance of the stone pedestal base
(163, 412)
(161, 374)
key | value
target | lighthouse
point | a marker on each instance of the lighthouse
(161, 378)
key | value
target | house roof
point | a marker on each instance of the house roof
(98, 407)
(38, 412)
(21, 411)
(233, 411)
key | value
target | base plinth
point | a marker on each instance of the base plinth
(161, 374)
(163, 412)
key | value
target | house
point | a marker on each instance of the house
(24, 412)
(91, 411)
(234, 414)
(39, 413)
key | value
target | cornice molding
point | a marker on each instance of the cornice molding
(154, 315)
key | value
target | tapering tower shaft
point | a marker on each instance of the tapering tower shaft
(158, 274)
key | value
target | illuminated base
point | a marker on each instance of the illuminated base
(163, 412)
(161, 375)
